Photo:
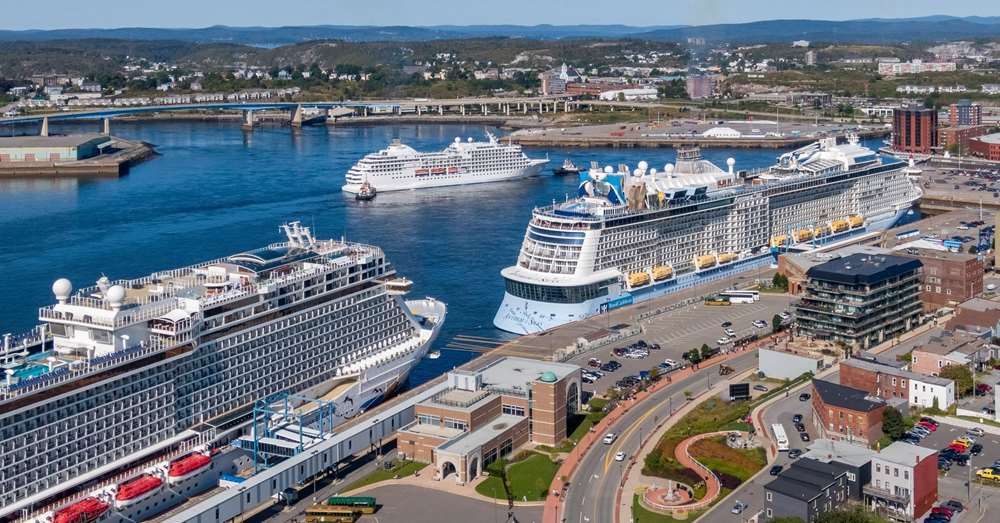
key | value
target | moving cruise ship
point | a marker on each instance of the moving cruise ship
(399, 167)
(134, 383)
(632, 235)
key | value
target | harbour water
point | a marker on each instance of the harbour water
(217, 190)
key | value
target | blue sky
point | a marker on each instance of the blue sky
(16, 14)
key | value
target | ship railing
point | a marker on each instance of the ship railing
(67, 373)
(507, 391)
(231, 295)
(184, 447)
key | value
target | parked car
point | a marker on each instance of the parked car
(794, 453)
(609, 438)
(760, 324)
(804, 436)
(976, 431)
(593, 362)
(775, 470)
(670, 362)
(797, 418)
(730, 332)
(929, 426)
(759, 387)
(722, 341)
(983, 389)
(784, 316)
(727, 324)
(954, 505)
(944, 465)
(739, 507)
(976, 449)
(804, 396)
(800, 427)
(929, 420)
(989, 473)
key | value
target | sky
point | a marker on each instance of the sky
(15, 14)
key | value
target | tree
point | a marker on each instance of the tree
(654, 374)
(961, 375)
(776, 323)
(892, 423)
(780, 281)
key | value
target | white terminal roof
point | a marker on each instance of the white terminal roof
(471, 441)
(520, 372)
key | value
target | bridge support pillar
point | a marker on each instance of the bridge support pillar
(248, 120)
(296, 119)
(463, 109)
(107, 127)
(506, 109)
(486, 109)
(365, 111)
(440, 109)
(418, 110)
(524, 108)
(45, 126)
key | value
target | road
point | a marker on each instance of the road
(591, 495)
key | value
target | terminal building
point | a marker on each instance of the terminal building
(860, 300)
(487, 414)
(63, 148)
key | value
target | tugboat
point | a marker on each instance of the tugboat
(433, 355)
(568, 167)
(366, 192)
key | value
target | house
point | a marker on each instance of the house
(977, 313)
(970, 349)
(843, 413)
(889, 383)
(856, 459)
(904, 481)
(487, 414)
(806, 490)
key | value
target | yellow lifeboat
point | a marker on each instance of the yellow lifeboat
(726, 257)
(704, 262)
(638, 279)
(856, 220)
(821, 231)
(662, 272)
(839, 225)
(779, 240)
(803, 235)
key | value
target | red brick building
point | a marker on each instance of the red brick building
(977, 312)
(949, 278)
(914, 130)
(960, 136)
(987, 147)
(846, 414)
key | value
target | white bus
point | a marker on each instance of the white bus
(780, 438)
(741, 296)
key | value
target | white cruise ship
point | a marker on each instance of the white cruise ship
(399, 167)
(632, 235)
(134, 381)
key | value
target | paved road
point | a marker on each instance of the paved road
(591, 495)
(410, 504)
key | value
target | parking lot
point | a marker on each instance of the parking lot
(680, 331)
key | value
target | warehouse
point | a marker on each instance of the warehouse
(51, 148)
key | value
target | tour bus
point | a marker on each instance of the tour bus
(780, 437)
(741, 296)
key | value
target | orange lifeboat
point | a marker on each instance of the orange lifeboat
(83, 511)
(137, 489)
(187, 466)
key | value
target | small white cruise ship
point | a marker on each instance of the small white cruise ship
(132, 386)
(400, 167)
(631, 235)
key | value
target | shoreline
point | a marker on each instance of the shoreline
(657, 142)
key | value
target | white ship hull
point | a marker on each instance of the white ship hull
(389, 182)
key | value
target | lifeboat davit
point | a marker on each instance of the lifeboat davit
(83, 511)
(137, 489)
(187, 466)
(662, 272)
(638, 279)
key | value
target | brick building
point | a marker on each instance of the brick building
(485, 415)
(957, 138)
(914, 130)
(964, 112)
(904, 483)
(892, 383)
(977, 313)
(987, 147)
(843, 413)
(948, 278)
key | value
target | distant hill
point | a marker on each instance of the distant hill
(861, 31)
(875, 30)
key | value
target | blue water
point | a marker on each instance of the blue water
(216, 191)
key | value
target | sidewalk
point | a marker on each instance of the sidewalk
(425, 479)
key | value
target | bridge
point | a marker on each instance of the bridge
(507, 106)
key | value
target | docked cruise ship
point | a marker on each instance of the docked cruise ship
(399, 167)
(632, 235)
(120, 409)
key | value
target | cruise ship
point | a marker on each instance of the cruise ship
(631, 235)
(399, 167)
(117, 405)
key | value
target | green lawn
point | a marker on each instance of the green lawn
(401, 469)
(642, 515)
(529, 479)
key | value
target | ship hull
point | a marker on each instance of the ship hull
(387, 183)
(523, 316)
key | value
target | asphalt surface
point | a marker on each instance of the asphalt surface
(409, 504)
(591, 494)
(680, 331)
